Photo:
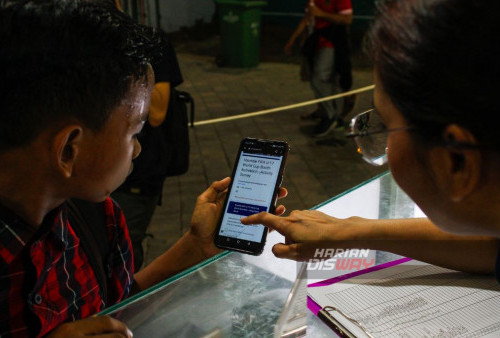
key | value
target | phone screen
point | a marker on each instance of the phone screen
(256, 179)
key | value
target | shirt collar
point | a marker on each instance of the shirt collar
(15, 234)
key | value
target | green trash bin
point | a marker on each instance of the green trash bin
(240, 32)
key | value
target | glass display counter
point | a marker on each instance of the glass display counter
(237, 295)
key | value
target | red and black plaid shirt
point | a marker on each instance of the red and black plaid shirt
(45, 276)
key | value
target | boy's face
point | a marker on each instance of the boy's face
(106, 157)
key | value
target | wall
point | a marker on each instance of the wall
(289, 12)
(175, 14)
(172, 14)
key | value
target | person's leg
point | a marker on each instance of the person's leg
(343, 68)
(348, 106)
(316, 114)
(322, 79)
(138, 211)
(323, 83)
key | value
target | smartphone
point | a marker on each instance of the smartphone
(255, 181)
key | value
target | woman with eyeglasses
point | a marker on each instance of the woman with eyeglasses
(437, 81)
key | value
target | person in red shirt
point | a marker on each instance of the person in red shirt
(75, 92)
(321, 17)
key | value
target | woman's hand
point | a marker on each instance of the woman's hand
(308, 230)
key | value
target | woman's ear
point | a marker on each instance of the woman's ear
(65, 148)
(457, 170)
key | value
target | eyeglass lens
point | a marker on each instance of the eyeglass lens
(372, 142)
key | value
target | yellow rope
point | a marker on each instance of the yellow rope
(278, 109)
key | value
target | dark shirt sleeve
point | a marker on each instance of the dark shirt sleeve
(166, 66)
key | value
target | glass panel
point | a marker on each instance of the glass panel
(238, 295)
(232, 295)
(163, 284)
(357, 187)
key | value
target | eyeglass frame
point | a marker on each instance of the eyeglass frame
(448, 144)
(381, 131)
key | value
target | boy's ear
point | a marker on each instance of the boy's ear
(65, 148)
(457, 170)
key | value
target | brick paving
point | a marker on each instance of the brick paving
(316, 170)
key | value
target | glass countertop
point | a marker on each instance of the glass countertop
(238, 295)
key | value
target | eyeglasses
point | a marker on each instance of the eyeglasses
(370, 134)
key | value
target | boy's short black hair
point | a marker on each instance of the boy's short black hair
(63, 60)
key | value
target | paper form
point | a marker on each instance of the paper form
(409, 300)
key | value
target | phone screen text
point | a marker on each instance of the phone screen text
(252, 192)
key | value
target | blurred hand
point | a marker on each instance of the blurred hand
(314, 11)
(207, 212)
(96, 326)
(289, 47)
(307, 230)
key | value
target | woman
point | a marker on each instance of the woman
(436, 83)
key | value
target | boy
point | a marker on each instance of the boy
(76, 85)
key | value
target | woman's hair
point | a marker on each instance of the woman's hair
(438, 61)
(63, 60)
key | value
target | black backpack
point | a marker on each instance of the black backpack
(176, 133)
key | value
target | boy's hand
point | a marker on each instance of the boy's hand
(207, 211)
(206, 214)
(95, 326)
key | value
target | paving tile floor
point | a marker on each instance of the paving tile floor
(316, 170)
